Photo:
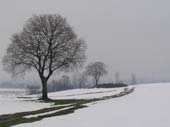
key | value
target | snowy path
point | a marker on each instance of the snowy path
(148, 106)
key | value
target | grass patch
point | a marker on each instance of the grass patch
(19, 120)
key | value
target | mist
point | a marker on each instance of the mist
(128, 36)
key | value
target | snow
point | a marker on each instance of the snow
(11, 92)
(9, 103)
(13, 106)
(147, 106)
(84, 93)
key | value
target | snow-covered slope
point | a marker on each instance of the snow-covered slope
(147, 106)
(85, 93)
(10, 104)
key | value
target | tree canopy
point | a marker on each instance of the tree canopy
(46, 44)
(96, 70)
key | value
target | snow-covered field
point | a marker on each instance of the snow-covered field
(9, 103)
(8, 93)
(147, 106)
(83, 93)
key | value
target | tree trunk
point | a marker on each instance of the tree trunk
(96, 81)
(44, 89)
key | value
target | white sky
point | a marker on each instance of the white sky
(130, 36)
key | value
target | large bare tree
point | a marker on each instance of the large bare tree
(46, 44)
(96, 70)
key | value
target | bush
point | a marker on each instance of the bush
(111, 85)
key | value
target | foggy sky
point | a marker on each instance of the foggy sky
(130, 36)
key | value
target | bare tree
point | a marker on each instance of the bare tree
(117, 80)
(133, 80)
(96, 70)
(46, 44)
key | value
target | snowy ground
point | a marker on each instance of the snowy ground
(9, 103)
(83, 93)
(147, 106)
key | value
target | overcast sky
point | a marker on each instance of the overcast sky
(130, 36)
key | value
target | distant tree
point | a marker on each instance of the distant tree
(32, 89)
(82, 80)
(65, 81)
(79, 79)
(117, 80)
(96, 70)
(133, 80)
(60, 84)
(46, 44)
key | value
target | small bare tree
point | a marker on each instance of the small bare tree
(117, 80)
(96, 70)
(46, 44)
(133, 80)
